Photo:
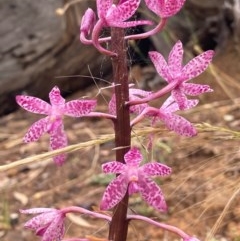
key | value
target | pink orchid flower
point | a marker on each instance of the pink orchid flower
(134, 179)
(53, 123)
(173, 71)
(111, 15)
(166, 114)
(165, 8)
(134, 94)
(49, 224)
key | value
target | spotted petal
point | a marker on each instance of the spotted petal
(36, 130)
(113, 167)
(78, 108)
(102, 7)
(37, 210)
(195, 89)
(155, 5)
(175, 58)
(155, 169)
(125, 10)
(33, 104)
(55, 97)
(114, 192)
(179, 125)
(180, 98)
(169, 106)
(152, 194)
(133, 157)
(160, 64)
(197, 65)
(139, 92)
(165, 8)
(55, 230)
(58, 139)
(40, 221)
(171, 7)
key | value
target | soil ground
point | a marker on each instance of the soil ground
(202, 193)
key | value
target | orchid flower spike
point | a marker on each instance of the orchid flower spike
(111, 15)
(49, 224)
(134, 179)
(165, 8)
(53, 123)
(174, 72)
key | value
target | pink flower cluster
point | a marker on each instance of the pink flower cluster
(111, 15)
(131, 177)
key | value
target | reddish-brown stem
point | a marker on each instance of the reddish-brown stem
(119, 224)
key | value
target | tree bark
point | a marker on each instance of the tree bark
(37, 46)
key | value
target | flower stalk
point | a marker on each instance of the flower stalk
(119, 226)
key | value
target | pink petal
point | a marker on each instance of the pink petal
(78, 108)
(55, 97)
(113, 167)
(41, 230)
(124, 10)
(160, 64)
(133, 157)
(152, 194)
(36, 130)
(137, 109)
(168, 102)
(133, 188)
(179, 124)
(114, 192)
(191, 103)
(88, 21)
(135, 94)
(103, 7)
(55, 231)
(40, 221)
(155, 5)
(175, 58)
(58, 139)
(197, 65)
(171, 8)
(174, 106)
(53, 124)
(155, 169)
(139, 92)
(170, 109)
(195, 89)
(33, 104)
(180, 98)
(37, 210)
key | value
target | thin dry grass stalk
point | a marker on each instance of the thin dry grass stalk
(204, 127)
(224, 212)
